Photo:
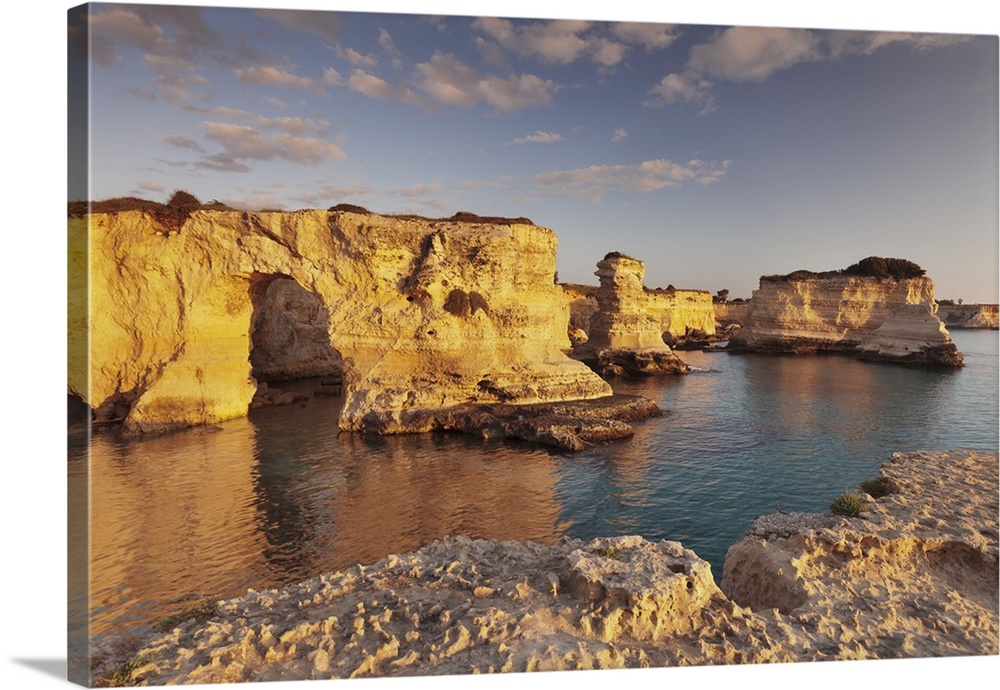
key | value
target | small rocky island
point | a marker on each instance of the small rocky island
(877, 309)
(914, 573)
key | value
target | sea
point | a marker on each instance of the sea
(283, 495)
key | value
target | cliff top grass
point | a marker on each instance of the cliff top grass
(182, 203)
(870, 267)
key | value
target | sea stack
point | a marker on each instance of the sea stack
(624, 339)
(878, 309)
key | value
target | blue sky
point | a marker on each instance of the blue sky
(715, 153)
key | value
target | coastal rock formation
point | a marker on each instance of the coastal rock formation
(624, 339)
(729, 313)
(679, 312)
(914, 575)
(883, 319)
(423, 314)
(970, 315)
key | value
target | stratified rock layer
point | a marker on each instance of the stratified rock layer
(881, 319)
(985, 316)
(914, 575)
(624, 338)
(424, 314)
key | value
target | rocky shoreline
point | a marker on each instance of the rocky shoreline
(914, 574)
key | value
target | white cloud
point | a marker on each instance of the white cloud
(182, 142)
(448, 80)
(277, 103)
(389, 46)
(375, 87)
(538, 137)
(356, 58)
(649, 36)
(750, 53)
(557, 42)
(269, 75)
(517, 92)
(242, 143)
(619, 134)
(596, 180)
(318, 22)
(744, 53)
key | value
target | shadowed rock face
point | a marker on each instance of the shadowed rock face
(421, 312)
(879, 319)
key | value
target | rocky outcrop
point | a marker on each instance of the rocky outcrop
(679, 312)
(624, 339)
(729, 313)
(423, 314)
(682, 311)
(881, 319)
(969, 315)
(914, 575)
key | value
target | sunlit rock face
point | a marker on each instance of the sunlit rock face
(624, 338)
(678, 312)
(970, 315)
(883, 319)
(423, 314)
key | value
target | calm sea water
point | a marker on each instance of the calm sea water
(282, 496)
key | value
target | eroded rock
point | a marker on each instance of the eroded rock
(419, 311)
(880, 319)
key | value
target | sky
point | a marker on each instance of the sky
(715, 154)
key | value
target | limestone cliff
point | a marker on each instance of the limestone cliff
(678, 311)
(884, 319)
(624, 338)
(970, 315)
(423, 314)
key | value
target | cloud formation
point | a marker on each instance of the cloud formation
(743, 53)
(242, 143)
(538, 137)
(448, 80)
(561, 42)
(596, 180)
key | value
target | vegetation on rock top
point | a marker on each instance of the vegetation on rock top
(869, 267)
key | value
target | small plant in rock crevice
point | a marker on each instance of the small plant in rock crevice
(848, 504)
(877, 487)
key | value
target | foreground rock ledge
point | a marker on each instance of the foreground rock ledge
(914, 575)
(573, 425)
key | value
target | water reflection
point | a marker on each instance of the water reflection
(282, 495)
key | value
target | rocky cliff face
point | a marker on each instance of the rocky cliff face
(624, 338)
(677, 311)
(970, 315)
(682, 311)
(881, 319)
(423, 314)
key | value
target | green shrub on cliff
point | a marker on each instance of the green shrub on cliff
(869, 267)
(848, 505)
(877, 487)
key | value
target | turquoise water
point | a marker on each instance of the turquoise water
(281, 495)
